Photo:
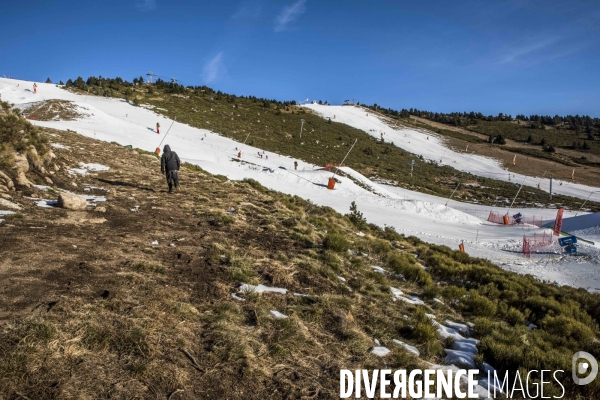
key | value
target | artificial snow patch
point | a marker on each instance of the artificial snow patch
(155, 242)
(59, 146)
(460, 357)
(94, 167)
(408, 347)
(92, 200)
(378, 269)
(462, 328)
(277, 315)
(446, 332)
(301, 295)
(85, 168)
(341, 278)
(380, 351)
(246, 288)
(6, 212)
(376, 341)
(238, 298)
(398, 294)
(77, 171)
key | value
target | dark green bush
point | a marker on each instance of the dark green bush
(336, 242)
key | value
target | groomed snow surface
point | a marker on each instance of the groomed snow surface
(408, 212)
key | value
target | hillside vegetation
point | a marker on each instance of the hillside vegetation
(275, 126)
(132, 297)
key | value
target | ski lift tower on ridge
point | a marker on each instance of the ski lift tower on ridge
(150, 74)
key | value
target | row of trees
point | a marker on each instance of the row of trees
(118, 86)
(577, 123)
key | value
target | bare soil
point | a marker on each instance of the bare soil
(95, 284)
(53, 110)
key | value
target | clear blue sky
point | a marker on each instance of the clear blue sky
(525, 56)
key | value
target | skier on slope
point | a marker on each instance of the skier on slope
(34, 88)
(295, 165)
(169, 165)
(157, 127)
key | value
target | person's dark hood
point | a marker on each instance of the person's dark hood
(167, 148)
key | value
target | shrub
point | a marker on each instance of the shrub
(356, 217)
(478, 305)
(406, 265)
(336, 242)
(563, 326)
(514, 316)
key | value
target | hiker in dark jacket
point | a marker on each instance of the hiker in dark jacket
(169, 165)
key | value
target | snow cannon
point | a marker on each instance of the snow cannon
(461, 248)
(157, 151)
(240, 154)
(506, 220)
(569, 244)
(331, 183)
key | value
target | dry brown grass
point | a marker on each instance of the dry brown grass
(52, 110)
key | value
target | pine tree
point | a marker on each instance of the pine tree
(356, 217)
(48, 80)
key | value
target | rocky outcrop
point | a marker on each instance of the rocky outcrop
(6, 184)
(35, 160)
(22, 180)
(9, 204)
(71, 201)
(20, 163)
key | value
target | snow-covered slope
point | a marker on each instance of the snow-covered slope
(432, 148)
(408, 212)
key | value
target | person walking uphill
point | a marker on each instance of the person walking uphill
(157, 127)
(169, 165)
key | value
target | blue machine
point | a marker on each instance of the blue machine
(518, 218)
(569, 244)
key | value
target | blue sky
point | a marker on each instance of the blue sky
(509, 56)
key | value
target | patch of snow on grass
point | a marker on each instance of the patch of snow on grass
(277, 315)
(408, 347)
(246, 288)
(380, 351)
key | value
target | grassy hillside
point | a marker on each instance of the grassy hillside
(275, 127)
(91, 308)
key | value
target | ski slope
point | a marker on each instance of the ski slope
(411, 213)
(432, 148)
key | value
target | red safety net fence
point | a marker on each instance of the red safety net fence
(536, 241)
(497, 218)
(535, 221)
(328, 167)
